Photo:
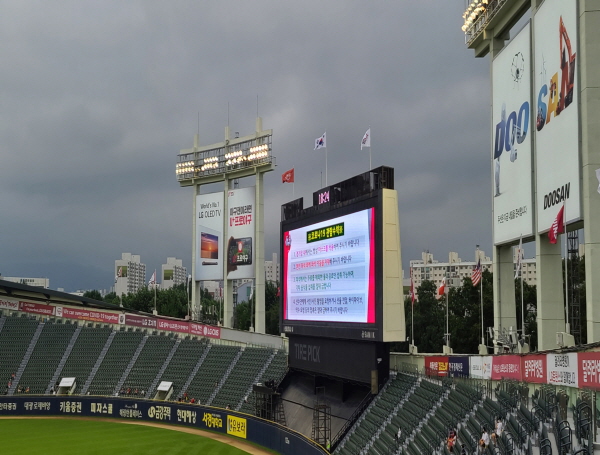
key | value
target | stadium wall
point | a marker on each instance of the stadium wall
(243, 426)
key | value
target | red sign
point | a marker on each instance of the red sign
(534, 368)
(588, 365)
(87, 315)
(506, 366)
(37, 308)
(208, 331)
(436, 366)
(140, 321)
(173, 326)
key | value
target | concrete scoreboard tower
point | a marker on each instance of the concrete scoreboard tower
(228, 226)
(545, 147)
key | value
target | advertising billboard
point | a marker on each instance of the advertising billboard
(512, 156)
(239, 247)
(562, 369)
(209, 236)
(556, 112)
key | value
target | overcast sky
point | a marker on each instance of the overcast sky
(98, 98)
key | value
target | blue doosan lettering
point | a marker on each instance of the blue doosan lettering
(511, 129)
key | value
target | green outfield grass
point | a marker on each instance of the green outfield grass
(82, 437)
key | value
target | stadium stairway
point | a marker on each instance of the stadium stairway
(46, 354)
(26, 357)
(129, 366)
(196, 368)
(63, 359)
(275, 371)
(255, 380)
(143, 369)
(163, 367)
(226, 374)
(84, 354)
(184, 365)
(99, 360)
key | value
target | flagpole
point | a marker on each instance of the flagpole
(370, 167)
(325, 163)
(447, 330)
(481, 299)
(155, 291)
(522, 301)
(567, 324)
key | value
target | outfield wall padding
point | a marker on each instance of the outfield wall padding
(262, 432)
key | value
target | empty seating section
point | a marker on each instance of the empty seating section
(16, 333)
(375, 416)
(149, 362)
(241, 377)
(211, 372)
(116, 360)
(182, 364)
(275, 371)
(46, 355)
(83, 356)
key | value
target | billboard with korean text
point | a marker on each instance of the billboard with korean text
(512, 152)
(209, 236)
(239, 244)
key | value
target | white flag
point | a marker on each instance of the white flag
(366, 140)
(320, 142)
(519, 258)
(152, 279)
(598, 177)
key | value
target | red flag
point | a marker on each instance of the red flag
(288, 176)
(412, 290)
(558, 226)
(442, 289)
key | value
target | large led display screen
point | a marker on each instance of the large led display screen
(556, 95)
(329, 270)
(512, 140)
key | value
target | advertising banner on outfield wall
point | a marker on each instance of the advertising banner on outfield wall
(209, 236)
(506, 366)
(481, 367)
(458, 366)
(556, 92)
(562, 369)
(37, 308)
(534, 368)
(238, 425)
(436, 365)
(589, 370)
(512, 152)
(87, 315)
(240, 245)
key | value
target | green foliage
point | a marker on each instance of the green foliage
(94, 294)
(464, 316)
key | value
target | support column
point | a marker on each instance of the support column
(589, 37)
(259, 290)
(195, 298)
(505, 311)
(227, 284)
(550, 292)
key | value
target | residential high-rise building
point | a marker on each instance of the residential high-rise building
(272, 270)
(130, 274)
(173, 273)
(38, 282)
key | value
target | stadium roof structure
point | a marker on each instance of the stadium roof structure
(23, 291)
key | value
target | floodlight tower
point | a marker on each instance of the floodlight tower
(232, 159)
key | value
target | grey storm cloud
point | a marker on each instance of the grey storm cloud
(99, 97)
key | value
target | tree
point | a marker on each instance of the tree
(241, 316)
(94, 294)
(272, 308)
(429, 319)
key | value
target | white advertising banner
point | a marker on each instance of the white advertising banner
(480, 367)
(209, 236)
(512, 156)
(6, 303)
(556, 96)
(562, 369)
(239, 247)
